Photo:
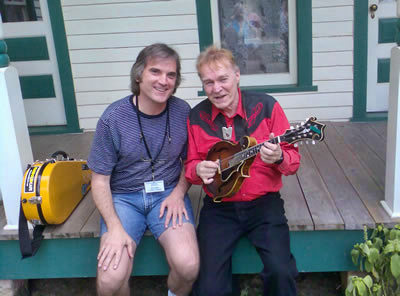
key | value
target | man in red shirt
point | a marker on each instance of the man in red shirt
(256, 210)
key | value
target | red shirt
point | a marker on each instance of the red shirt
(264, 115)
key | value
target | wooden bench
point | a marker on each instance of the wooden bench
(336, 191)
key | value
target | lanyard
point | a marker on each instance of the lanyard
(153, 160)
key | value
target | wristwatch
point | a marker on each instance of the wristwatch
(280, 159)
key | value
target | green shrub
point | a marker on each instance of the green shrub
(379, 257)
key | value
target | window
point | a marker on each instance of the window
(270, 39)
(20, 10)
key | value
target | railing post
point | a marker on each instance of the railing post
(15, 145)
(392, 179)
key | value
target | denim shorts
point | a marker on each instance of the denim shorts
(139, 210)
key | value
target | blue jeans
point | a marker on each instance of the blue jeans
(139, 210)
(263, 221)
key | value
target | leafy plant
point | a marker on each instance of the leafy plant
(379, 257)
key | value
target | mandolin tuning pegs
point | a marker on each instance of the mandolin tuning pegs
(296, 145)
(307, 142)
(313, 142)
(291, 127)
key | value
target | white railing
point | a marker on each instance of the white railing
(392, 179)
(15, 145)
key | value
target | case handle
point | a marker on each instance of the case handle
(60, 152)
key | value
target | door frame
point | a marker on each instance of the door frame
(65, 73)
(360, 55)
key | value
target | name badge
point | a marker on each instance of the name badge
(154, 186)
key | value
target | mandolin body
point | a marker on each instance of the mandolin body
(228, 179)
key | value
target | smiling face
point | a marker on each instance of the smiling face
(157, 84)
(220, 82)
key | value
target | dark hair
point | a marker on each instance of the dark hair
(157, 50)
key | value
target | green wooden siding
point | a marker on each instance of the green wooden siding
(63, 258)
(36, 87)
(387, 30)
(383, 70)
(27, 49)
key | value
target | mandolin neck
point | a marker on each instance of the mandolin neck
(249, 152)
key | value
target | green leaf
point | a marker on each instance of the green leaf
(365, 249)
(378, 243)
(354, 256)
(368, 281)
(373, 255)
(395, 265)
(368, 266)
(389, 248)
(362, 290)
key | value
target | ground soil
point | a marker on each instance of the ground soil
(308, 284)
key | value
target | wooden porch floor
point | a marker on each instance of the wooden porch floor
(339, 185)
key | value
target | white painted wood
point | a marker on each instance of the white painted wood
(377, 94)
(383, 50)
(324, 3)
(120, 83)
(52, 113)
(315, 100)
(103, 55)
(392, 177)
(107, 97)
(131, 39)
(32, 68)
(101, 58)
(24, 29)
(130, 25)
(331, 114)
(96, 2)
(332, 14)
(127, 9)
(339, 58)
(332, 44)
(118, 69)
(334, 86)
(332, 29)
(17, 151)
(333, 73)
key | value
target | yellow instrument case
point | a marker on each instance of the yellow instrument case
(52, 189)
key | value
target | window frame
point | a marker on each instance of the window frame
(304, 46)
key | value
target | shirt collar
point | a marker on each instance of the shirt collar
(239, 111)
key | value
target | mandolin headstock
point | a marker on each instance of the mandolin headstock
(310, 130)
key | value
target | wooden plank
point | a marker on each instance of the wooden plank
(362, 182)
(104, 55)
(337, 87)
(132, 39)
(330, 29)
(196, 195)
(325, 44)
(355, 215)
(380, 127)
(324, 3)
(343, 58)
(322, 207)
(72, 226)
(296, 208)
(6, 234)
(333, 72)
(333, 14)
(128, 9)
(139, 24)
(368, 158)
(92, 226)
(370, 136)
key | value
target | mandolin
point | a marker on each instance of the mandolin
(235, 159)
